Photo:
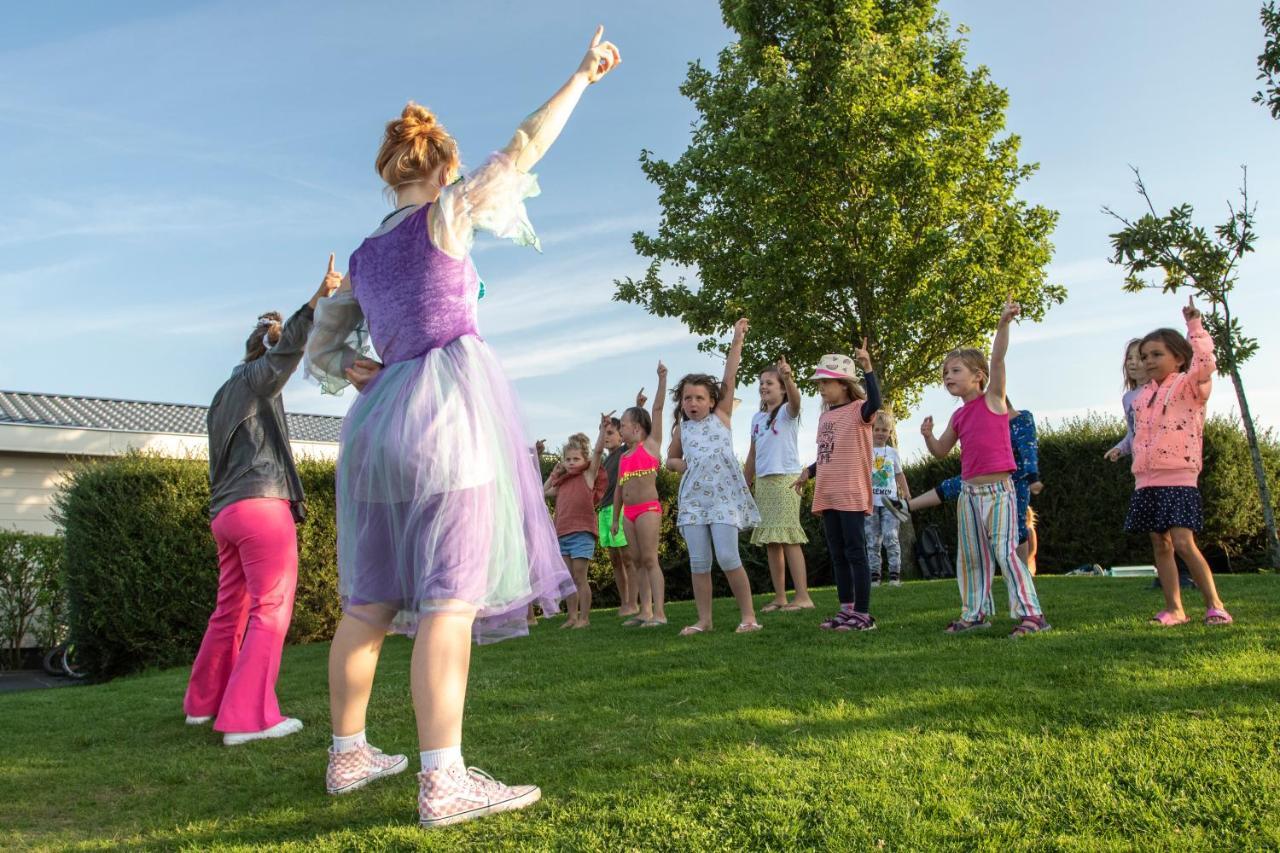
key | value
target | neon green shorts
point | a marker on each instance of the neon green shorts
(607, 539)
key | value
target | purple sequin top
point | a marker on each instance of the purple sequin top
(415, 297)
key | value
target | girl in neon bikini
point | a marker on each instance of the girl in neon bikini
(636, 504)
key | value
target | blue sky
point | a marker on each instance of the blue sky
(170, 170)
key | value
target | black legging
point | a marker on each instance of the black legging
(847, 543)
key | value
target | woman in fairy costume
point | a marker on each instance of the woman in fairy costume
(442, 529)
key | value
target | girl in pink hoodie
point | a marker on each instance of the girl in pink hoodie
(1168, 430)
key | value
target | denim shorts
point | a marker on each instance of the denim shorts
(578, 546)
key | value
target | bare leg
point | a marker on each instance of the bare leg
(571, 600)
(644, 591)
(1184, 543)
(353, 660)
(1167, 570)
(647, 528)
(799, 575)
(438, 676)
(741, 586)
(583, 582)
(778, 572)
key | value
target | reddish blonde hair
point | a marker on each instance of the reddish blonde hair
(414, 147)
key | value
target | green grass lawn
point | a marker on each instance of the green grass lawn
(1105, 733)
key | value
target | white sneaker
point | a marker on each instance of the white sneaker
(287, 726)
(198, 721)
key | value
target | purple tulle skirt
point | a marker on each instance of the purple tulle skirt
(440, 503)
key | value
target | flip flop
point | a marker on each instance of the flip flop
(1217, 616)
(747, 627)
(1165, 619)
(633, 622)
(653, 623)
(795, 608)
(772, 606)
(690, 630)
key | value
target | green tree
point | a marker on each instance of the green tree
(847, 176)
(1177, 253)
(1269, 60)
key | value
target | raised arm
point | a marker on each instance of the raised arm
(268, 374)
(996, 381)
(659, 401)
(1203, 363)
(536, 134)
(729, 383)
(872, 404)
(597, 452)
(789, 383)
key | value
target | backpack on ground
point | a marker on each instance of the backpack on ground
(932, 555)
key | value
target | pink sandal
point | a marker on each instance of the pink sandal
(1166, 619)
(1217, 616)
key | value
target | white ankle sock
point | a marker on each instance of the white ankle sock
(349, 742)
(437, 759)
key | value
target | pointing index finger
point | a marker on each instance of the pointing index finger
(595, 40)
(331, 262)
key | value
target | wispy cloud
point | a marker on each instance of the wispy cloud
(572, 352)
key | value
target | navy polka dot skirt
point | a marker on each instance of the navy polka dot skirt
(1157, 508)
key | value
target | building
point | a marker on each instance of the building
(40, 434)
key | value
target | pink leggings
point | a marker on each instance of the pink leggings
(234, 676)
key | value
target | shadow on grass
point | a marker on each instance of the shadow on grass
(616, 718)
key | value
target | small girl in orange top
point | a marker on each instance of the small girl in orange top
(842, 493)
(572, 483)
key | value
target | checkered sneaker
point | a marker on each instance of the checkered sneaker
(355, 768)
(455, 794)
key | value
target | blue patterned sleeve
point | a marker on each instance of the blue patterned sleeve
(1026, 447)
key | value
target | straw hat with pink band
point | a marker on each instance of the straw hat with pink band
(841, 368)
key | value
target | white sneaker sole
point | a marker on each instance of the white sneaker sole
(513, 804)
(285, 727)
(198, 721)
(373, 777)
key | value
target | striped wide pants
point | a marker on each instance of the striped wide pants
(988, 537)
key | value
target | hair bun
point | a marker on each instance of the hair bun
(415, 121)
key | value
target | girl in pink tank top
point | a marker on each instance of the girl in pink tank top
(987, 509)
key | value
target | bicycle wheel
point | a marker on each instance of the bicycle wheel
(52, 661)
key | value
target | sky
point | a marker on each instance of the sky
(171, 170)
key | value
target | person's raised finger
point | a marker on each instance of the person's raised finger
(595, 39)
(330, 264)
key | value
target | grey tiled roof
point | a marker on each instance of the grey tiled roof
(17, 407)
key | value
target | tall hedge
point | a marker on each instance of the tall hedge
(142, 567)
(1082, 508)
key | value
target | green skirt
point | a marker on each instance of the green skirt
(779, 512)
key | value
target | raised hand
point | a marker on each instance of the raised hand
(741, 328)
(540, 447)
(926, 426)
(641, 399)
(606, 420)
(1190, 311)
(601, 57)
(662, 372)
(331, 282)
(863, 357)
(784, 369)
(361, 372)
(1036, 488)
(1112, 455)
(1010, 311)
